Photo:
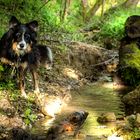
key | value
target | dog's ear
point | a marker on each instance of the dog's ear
(13, 22)
(33, 25)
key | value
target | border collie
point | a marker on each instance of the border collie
(19, 48)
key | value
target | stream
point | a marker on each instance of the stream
(95, 99)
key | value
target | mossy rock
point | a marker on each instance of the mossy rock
(107, 117)
(129, 61)
(133, 98)
(132, 26)
(132, 101)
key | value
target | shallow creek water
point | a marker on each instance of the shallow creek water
(95, 99)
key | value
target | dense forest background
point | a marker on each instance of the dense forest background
(83, 20)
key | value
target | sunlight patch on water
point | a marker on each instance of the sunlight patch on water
(113, 85)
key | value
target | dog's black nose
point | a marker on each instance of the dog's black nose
(21, 45)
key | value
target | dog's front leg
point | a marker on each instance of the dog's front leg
(35, 80)
(22, 73)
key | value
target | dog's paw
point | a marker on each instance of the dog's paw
(48, 66)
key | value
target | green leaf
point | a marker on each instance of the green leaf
(27, 112)
(27, 121)
(1, 68)
(32, 117)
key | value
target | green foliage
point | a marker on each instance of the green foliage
(135, 134)
(1, 68)
(134, 129)
(7, 85)
(129, 77)
(6, 78)
(14, 95)
(113, 27)
(29, 117)
(48, 15)
(62, 49)
(26, 108)
(112, 23)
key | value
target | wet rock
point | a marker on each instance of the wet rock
(106, 117)
(133, 121)
(67, 127)
(77, 118)
(130, 121)
(133, 98)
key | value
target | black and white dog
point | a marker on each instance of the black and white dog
(19, 48)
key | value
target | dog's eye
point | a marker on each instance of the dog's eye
(27, 36)
(18, 35)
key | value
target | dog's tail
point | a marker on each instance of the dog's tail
(50, 55)
(50, 58)
(45, 55)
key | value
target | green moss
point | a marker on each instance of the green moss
(130, 65)
(132, 59)
(135, 134)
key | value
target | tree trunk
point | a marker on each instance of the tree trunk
(130, 3)
(93, 10)
(64, 9)
(103, 5)
(84, 5)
